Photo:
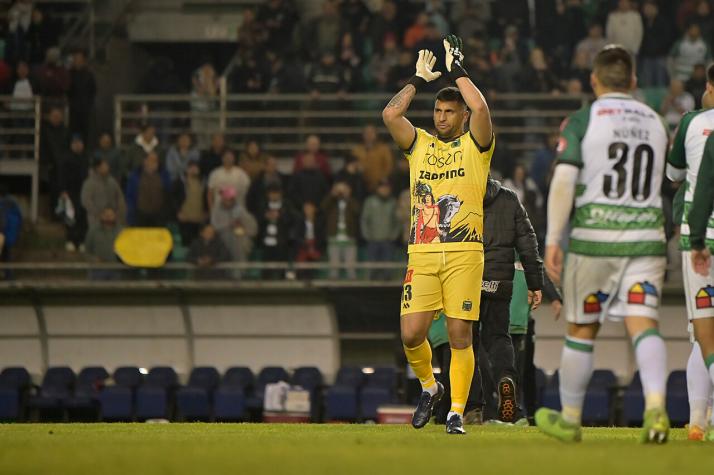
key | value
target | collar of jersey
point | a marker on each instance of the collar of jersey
(450, 140)
(618, 95)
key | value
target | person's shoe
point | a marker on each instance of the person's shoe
(474, 417)
(70, 247)
(507, 400)
(455, 425)
(551, 423)
(695, 433)
(422, 414)
(655, 428)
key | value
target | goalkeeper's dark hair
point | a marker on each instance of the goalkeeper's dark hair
(710, 74)
(614, 67)
(450, 94)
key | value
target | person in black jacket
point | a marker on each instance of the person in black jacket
(507, 230)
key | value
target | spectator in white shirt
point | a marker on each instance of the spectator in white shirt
(22, 90)
(228, 175)
(624, 26)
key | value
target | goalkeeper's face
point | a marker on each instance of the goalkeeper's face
(449, 118)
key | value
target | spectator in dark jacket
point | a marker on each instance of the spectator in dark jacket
(275, 224)
(100, 191)
(351, 174)
(342, 213)
(270, 177)
(107, 151)
(146, 194)
(73, 171)
(656, 40)
(308, 184)
(54, 147)
(206, 251)
(82, 90)
(52, 78)
(309, 237)
(212, 158)
(99, 242)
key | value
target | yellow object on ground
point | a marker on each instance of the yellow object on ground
(144, 247)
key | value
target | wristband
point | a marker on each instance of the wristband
(417, 82)
(457, 71)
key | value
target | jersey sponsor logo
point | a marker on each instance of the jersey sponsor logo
(705, 297)
(602, 217)
(443, 158)
(643, 293)
(447, 175)
(625, 110)
(490, 286)
(408, 276)
(467, 306)
(593, 302)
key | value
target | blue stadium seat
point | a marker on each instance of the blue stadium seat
(310, 378)
(268, 375)
(229, 400)
(15, 384)
(677, 398)
(193, 402)
(551, 393)
(379, 390)
(90, 382)
(153, 398)
(57, 386)
(342, 401)
(117, 401)
(633, 402)
(598, 398)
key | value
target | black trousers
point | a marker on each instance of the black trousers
(494, 322)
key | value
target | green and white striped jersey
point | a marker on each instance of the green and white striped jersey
(686, 153)
(620, 146)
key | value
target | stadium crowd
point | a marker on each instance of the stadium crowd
(236, 205)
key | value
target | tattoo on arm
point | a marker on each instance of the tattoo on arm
(403, 98)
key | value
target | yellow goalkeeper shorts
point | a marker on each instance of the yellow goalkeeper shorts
(447, 280)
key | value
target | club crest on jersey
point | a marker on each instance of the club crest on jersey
(705, 297)
(467, 306)
(643, 293)
(593, 302)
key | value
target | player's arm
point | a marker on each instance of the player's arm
(401, 130)
(702, 206)
(480, 121)
(676, 159)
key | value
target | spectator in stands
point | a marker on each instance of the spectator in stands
(624, 26)
(471, 17)
(342, 214)
(656, 41)
(543, 161)
(399, 178)
(328, 77)
(204, 101)
(380, 227)
(510, 59)
(189, 193)
(41, 36)
(478, 62)
(697, 84)
(374, 157)
(212, 158)
(351, 174)
(10, 224)
(279, 19)
(147, 194)
(275, 225)
(417, 31)
(383, 62)
(252, 159)
(251, 33)
(432, 41)
(581, 70)
(252, 75)
(704, 18)
(323, 31)
(355, 19)
(144, 144)
(675, 103)
(19, 17)
(512, 12)
(591, 45)
(287, 75)
(6, 73)
(399, 74)
(207, 250)
(73, 170)
(270, 177)
(309, 233)
(52, 78)
(308, 183)
(99, 243)
(107, 151)
(687, 52)
(101, 191)
(386, 27)
(351, 60)
(528, 194)
(179, 156)
(320, 157)
(234, 224)
(54, 146)
(23, 92)
(82, 91)
(227, 175)
(537, 77)
(435, 10)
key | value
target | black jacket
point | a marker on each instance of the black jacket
(507, 230)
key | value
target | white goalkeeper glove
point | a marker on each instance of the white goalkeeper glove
(425, 65)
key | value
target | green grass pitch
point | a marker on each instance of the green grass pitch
(137, 449)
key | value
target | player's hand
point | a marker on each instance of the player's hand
(535, 298)
(557, 306)
(553, 262)
(701, 261)
(454, 54)
(425, 65)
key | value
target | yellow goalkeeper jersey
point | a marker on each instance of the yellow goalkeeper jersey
(448, 183)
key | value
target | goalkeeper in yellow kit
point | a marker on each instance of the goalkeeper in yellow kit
(448, 173)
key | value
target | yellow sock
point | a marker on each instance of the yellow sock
(420, 360)
(460, 374)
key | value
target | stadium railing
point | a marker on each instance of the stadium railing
(281, 122)
(20, 123)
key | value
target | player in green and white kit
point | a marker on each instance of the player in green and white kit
(611, 163)
(688, 161)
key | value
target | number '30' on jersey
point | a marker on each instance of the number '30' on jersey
(620, 146)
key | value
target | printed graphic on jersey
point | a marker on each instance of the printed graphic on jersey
(705, 297)
(467, 306)
(593, 302)
(434, 219)
(408, 277)
(643, 293)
